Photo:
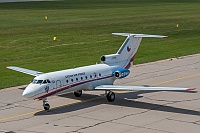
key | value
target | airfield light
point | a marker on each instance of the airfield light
(54, 38)
(45, 17)
(177, 25)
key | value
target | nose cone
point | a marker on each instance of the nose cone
(28, 92)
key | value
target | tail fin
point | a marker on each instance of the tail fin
(125, 55)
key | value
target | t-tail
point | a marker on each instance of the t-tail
(125, 55)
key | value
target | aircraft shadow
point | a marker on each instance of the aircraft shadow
(82, 98)
(120, 101)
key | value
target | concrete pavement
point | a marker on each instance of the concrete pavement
(140, 111)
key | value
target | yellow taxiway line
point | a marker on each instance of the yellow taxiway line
(79, 101)
(16, 116)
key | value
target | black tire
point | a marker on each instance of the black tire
(78, 93)
(111, 96)
(46, 106)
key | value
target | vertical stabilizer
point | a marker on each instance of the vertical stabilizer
(125, 55)
(128, 50)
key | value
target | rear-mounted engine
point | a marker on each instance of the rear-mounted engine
(112, 58)
(121, 73)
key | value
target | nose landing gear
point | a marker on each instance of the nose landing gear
(45, 104)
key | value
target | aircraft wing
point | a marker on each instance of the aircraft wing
(26, 71)
(137, 88)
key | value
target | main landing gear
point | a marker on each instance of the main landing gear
(110, 96)
(45, 104)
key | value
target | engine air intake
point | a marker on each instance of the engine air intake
(121, 73)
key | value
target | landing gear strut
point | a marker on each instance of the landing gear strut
(45, 104)
(78, 93)
(110, 96)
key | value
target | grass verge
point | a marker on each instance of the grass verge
(83, 29)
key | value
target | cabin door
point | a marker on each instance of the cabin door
(58, 84)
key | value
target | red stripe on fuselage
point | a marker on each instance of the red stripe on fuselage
(70, 86)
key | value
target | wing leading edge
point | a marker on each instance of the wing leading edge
(137, 88)
(26, 71)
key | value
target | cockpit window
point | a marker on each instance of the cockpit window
(48, 81)
(44, 82)
(39, 82)
(34, 81)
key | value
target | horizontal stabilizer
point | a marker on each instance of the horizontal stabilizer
(139, 35)
(137, 88)
(26, 71)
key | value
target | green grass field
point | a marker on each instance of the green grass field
(83, 29)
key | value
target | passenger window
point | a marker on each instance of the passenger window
(81, 78)
(72, 80)
(99, 74)
(85, 77)
(90, 76)
(76, 79)
(67, 81)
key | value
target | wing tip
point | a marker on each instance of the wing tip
(189, 89)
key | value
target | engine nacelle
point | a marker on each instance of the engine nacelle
(112, 58)
(121, 73)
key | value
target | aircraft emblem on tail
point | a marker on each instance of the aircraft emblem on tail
(128, 49)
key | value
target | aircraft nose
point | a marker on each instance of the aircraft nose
(27, 92)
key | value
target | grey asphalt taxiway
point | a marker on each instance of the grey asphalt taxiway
(140, 111)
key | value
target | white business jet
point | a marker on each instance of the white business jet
(94, 77)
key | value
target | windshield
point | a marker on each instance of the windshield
(39, 82)
(35, 81)
(44, 82)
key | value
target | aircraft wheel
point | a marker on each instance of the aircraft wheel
(111, 96)
(46, 106)
(78, 93)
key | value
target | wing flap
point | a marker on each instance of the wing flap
(137, 88)
(26, 71)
